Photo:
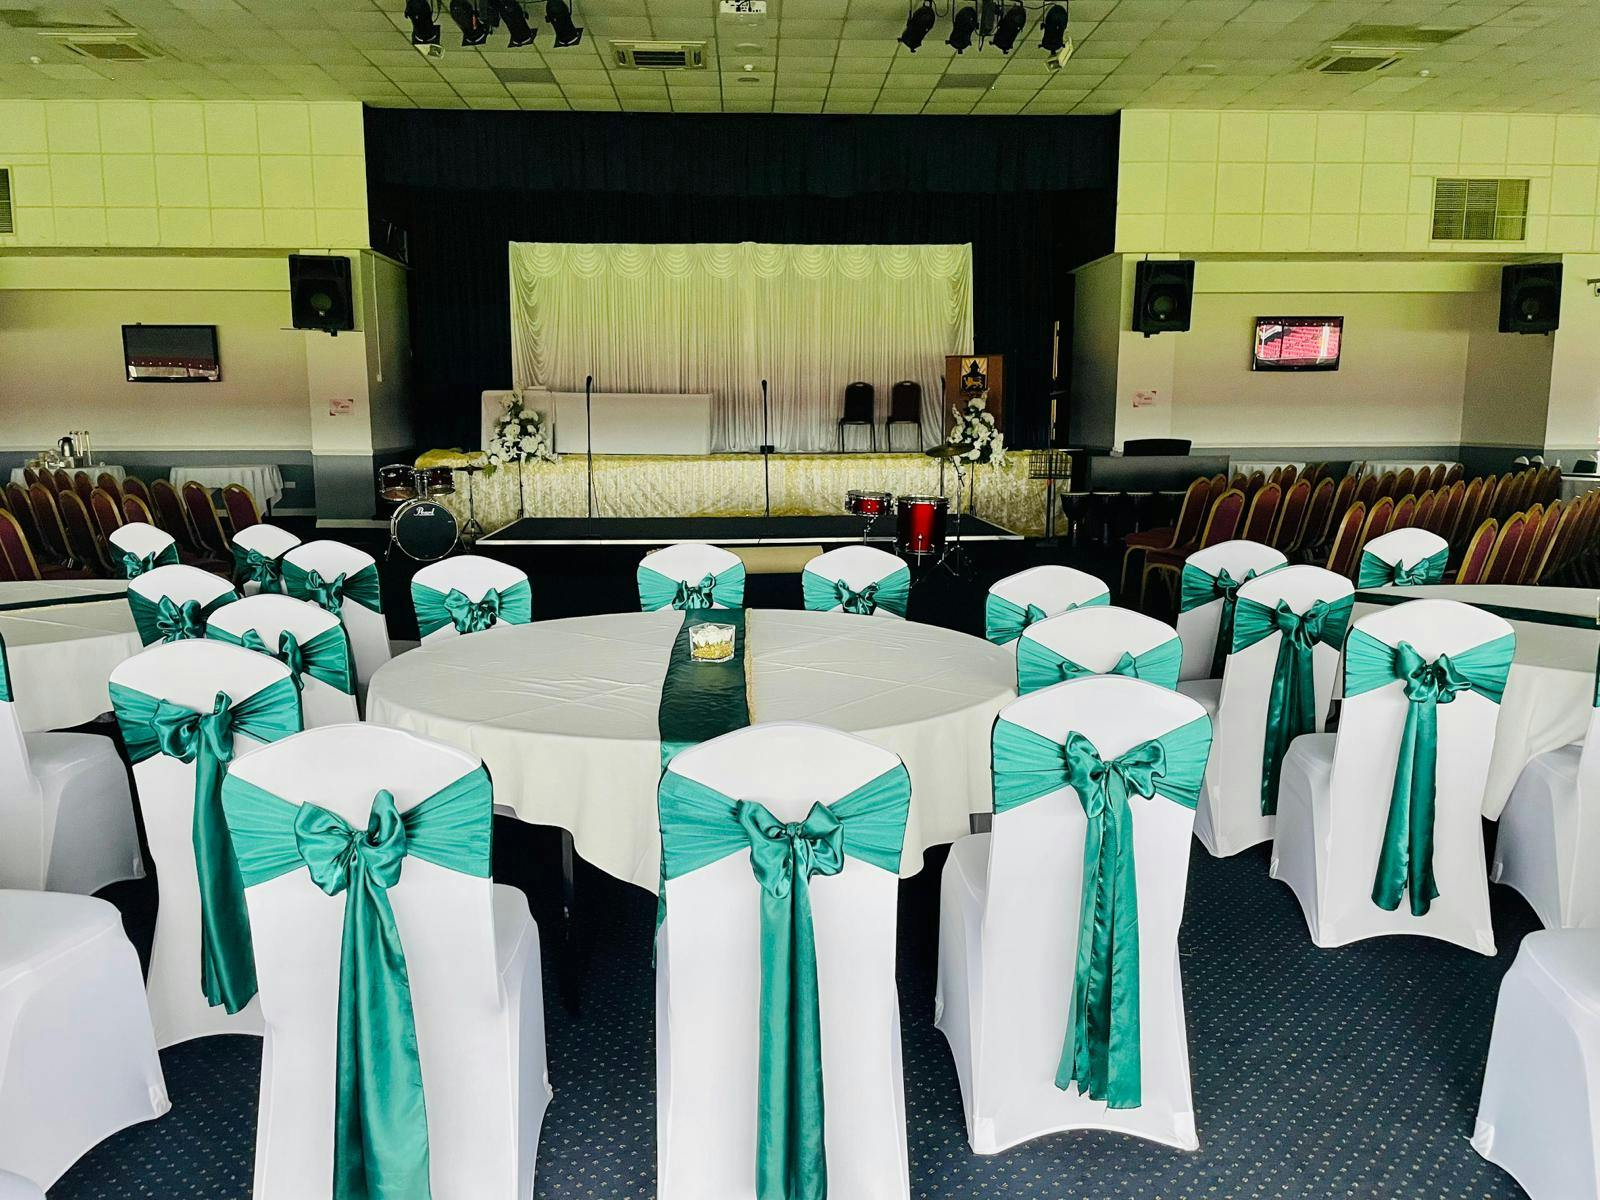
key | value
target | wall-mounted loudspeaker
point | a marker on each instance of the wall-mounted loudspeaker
(1163, 295)
(1530, 298)
(319, 292)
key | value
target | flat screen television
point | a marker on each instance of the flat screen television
(171, 353)
(1297, 343)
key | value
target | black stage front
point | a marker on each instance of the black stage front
(723, 531)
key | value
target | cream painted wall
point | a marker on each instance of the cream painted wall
(1574, 413)
(1097, 311)
(1507, 394)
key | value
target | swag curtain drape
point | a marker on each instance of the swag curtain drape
(719, 318)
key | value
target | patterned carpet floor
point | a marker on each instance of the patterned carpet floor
(1317, 1073)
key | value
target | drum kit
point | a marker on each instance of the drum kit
(419, 526)
(924, 527)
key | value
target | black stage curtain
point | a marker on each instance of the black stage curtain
(1034, 195)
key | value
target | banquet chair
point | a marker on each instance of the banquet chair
(860, 408)
(1097, 640)
(758, 1066)
(52, 539)
(1038, 1047)
(1476, 556)
(170, 515)
(1196, 503)
(690, 575)
(1368, 838)
(171, 603)
(1541, 542)
(66, 814)
(1261, 519)
(107, 513)
(187, 710)
(1406, 481)
(83, 544)
(258, 552)
(306, 638)
(1347, 540)
(344, 581)
(212, 538)
(1427, 504)
(137, 510)
(905, 408)
(857, 579)
(1405, 512)
(1366, 489)
(1508, 550)
(1208, 590)
(107, 483)
(240, 506)
(19, 561)
(132, 485)
(1017, 601)
(82, 486)
(1292, 515)
(1539, 1108)
(80, 1062)
(379, 934)
(1404, 557)
(1288, 629)
(137, 547)
(63, 481)
(469, 594)
(29, 477)
(1222, 524)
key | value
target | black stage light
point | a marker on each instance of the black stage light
(962, 29)
(988, 14)
(558, 15)
(1054, 29)
(917, 26)
(474, 30)
(516, 22)
(1010, 28)
(424, 29)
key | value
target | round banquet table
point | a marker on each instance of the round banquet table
(63, 639)
(264, 480)
(565, 714)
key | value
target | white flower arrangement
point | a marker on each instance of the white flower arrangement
(974, 427)
(521, 434)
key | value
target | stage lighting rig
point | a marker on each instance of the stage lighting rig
(1053, 29)
(516, 22)
(1010, 28)
(918, 25)
(474, 29)
(962, 28)
(424, 29)
(558, 15)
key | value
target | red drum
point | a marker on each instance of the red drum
(397, 482)
(436, 481)
(868, 504)
(919, 525)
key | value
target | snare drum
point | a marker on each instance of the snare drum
(436, 481)
(919, 525)
(868, 504)
(423, 530)
(397, 482)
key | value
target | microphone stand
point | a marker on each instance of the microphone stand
(766, 447)
(588, 437)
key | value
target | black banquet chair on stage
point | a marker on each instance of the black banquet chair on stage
(905, 408)
(860, 408)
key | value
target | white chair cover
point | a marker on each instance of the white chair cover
(1539, 1113)
(190, 673)
(1096, 637)
(180, 583)
(15, 1187)
(1334, 803)
(265, 539)
(857, 567)
(1411, 549)
(1009, 936)
(471, 955)
(77, 1059)
(1051, 588)
(368, 630)
(1197, 626)
(270, 615)
(470, 574)
(140, 539)
(708, 979)
(691, 562)
(1230, 817)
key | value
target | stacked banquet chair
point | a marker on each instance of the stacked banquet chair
(1166, 566)
(691, 575)
(84, 545)
(307, 639)
(108, 515)
(210, 537)
(1191, 515)
(469, 594)
(173, 603)
(344, 581)
(1097, 640)
(258, 552)
(857, 579)
(1017, 601)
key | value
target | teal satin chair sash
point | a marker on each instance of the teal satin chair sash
(724, 587)
(380, 1141)
(152, 726)
(700, 826)
(1004, 620)
(361, 588)
(131, 566)
(892, 592)
(1292, 695)
(1376, 572)
(169, 620)
(498, 606)
(1100, 1052)
(1197, 588)
(325, 656)
(1405, 857)
(1038, 666)
(252, 566)
(5, 675)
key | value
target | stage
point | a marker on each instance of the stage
(720, 531)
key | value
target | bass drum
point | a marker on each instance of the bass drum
(423, 530)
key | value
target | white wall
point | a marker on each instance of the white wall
(1574, 413)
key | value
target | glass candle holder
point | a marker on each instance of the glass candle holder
(711, 643)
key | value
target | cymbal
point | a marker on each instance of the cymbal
(949, 450)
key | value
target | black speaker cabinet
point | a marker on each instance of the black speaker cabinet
(1163, 295)
(319, 292)
(1530, 298)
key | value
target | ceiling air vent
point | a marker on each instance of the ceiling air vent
(8, 222)
(1480, 210)
(1355, 60)
(105, 47)
(659, 56)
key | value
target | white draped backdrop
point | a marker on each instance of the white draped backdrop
(720, 318)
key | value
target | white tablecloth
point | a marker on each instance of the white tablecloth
(565, 714)
(94, 472)
(1573, 486)
(1249, 466)
(62, 652)
(1378, 466)
(264, 480)
(1550, 690)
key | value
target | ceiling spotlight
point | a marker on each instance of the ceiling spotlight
(424, 29)
(474, 31)
(918, 24)
(962, 29)
(1054, 29)
(558, 15)
(988, 14)
(516, 22)
(1009, 29)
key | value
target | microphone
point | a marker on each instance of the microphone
(588, 437)
(766, 449)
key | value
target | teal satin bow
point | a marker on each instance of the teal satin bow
(131, 565)
(1004, 620)
(1038, 666)
(252, 566)
(325, 657)
(359, 588)
(1199, 588)
(165, 620)
(511, 605)
(328, 593)
(862, 603)
(473, 616)
(892, 593)
(1377, 572)
(696, 595)
(657, 591)
(288, 652)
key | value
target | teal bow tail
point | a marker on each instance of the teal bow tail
(1199, 588)
(5, 675)
(699, 826)
(1004, 621)
(330, 594)
(380, 1109)
(726, 588)
(152, 726)
(1405, 856)
(325, 657)
(892, 592)
(131, 566)
(1375, 572)
(167, 620)
(252, 566)
(702, 700)
(1038, 666)
(1292, 697)
(436, 610)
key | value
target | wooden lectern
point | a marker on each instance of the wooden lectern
(968, 375)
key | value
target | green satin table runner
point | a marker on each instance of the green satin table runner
(325, 656)
(703, 700)
(252, 566)
(130, 565)
(1004, 620)
(1377, 572)
(168, 620)
(360, 588)
(1038, 666)
(725, 587)
(1198, 588)
(498, 606)
(892, 592)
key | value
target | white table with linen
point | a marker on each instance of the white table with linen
(1550, 691)
(566, 714)
(264, 480)
(63, 639)
(94, 471)
(1249, 466)
(1573, 486)
(1381, 466)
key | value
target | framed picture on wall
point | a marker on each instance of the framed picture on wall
(171, 353)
